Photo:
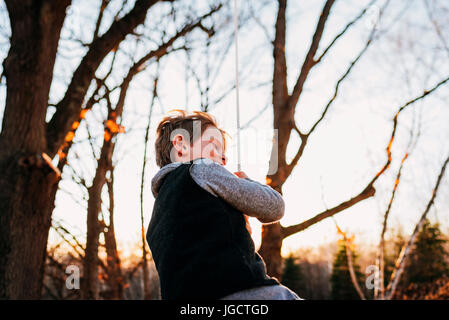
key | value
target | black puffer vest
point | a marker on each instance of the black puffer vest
(200, 244)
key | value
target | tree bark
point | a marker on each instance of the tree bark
(270, 249)
(90, 262)
(27, 184)
(115, 276)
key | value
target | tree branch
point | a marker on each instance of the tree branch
(346, 28)
(368, 192)
(70, 106)
(381, 251)
(104, 4)
(395, 122)
(342, 78)
(309, 60)
(348, 243)
(280, 90)
(405, 252)
(157, 54)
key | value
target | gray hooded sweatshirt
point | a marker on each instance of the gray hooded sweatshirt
(248, 196)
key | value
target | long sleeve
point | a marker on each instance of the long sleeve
(250, 197)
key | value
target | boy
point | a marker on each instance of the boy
(198, 233)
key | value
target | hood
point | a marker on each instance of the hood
(158, 178)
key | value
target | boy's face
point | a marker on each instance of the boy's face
(210, 145)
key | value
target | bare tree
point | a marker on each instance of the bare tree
(284, 105)
(114, 270)
(29, 182)
(406, 250)
(112, 128)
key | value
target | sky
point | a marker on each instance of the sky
(348, 147)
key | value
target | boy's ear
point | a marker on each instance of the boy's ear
(177, 142)
(177, 147)
(180, 143)
(177, 139)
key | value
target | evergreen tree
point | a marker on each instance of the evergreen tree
(292, 276)
(341, 283)
(428, 260)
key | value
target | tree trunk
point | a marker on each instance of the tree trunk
(91, 263)
(270, 249)
(272, 235)
(115, 277)
(27, 184)
(284, 105)
(25, 220)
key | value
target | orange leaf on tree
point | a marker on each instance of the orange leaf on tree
(107, 136)
(83, 113)
(69, 137)
(61, 154)
(114, 127)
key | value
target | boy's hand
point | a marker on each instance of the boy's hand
(241, 174)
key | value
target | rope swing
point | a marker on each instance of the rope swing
(236, 26)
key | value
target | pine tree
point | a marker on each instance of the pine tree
(428, 260)
(341, 283)
(292, 276)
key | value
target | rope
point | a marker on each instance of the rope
(236, 25)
